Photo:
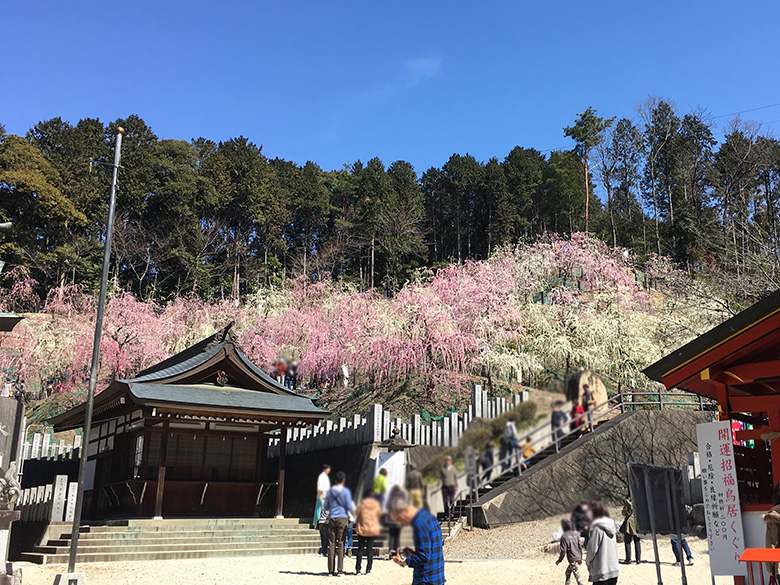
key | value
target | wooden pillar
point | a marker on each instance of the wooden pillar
(161, 472)
(262, 455)
(280, 480)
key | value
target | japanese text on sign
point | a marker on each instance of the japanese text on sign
(721, 497)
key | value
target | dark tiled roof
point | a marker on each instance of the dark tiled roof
(158, 385)
(178, 364)
(184, 360)
(209, 395)
(8, 321)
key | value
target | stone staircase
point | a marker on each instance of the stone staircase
(461, 508)
(146, 540)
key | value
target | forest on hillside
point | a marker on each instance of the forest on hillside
(526, 317)
(225, 220)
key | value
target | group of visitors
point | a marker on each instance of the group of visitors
(590, 523)
(591, 526)
(336, 512)
(286, 374)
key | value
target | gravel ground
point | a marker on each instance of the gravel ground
(509, 555)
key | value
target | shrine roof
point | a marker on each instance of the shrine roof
(750, 336)
(223, 397)
(8, 321)
(214, 375)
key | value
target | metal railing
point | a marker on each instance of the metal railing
(515, 460)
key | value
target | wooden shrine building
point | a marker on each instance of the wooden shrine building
(189, 436)
(738, 364)
(8, 321)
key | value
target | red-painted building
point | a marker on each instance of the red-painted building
(738, 364)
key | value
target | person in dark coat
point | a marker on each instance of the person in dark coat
(630, 534)
(558, 420)
(772, 536)
(580, 520)
(486, 460)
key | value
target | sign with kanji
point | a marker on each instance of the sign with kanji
(721, 497)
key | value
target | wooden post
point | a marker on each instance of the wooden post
(620, 395)
(280, 480)
(161, 472)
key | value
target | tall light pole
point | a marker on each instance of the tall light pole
(74, 543)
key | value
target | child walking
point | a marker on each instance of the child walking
(571, 548)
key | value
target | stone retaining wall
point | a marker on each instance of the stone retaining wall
(595, 466)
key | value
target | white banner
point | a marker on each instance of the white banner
(395, 463)
(721, 497)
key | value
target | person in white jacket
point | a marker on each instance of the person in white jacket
(602, 560)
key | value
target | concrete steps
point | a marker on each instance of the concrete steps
(461, 507)
(148, 540)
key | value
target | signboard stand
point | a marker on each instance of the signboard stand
(651, 509)
(674, 511)
(657, 496)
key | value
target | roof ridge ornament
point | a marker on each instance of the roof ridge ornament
(227, 336)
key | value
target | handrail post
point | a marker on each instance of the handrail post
(660, 400)
(620, 396)
(701, 403)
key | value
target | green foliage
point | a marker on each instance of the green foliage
(222, 221)
(523, 413)
(477, 436)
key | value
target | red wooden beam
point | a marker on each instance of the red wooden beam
(719, 355)
(755, 403)
(745, 373)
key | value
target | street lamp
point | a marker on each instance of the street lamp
(70, 577)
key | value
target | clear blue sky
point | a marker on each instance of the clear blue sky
(336, 81)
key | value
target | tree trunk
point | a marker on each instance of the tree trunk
(457, 225)
(587, 196)
(236, 272)
(611, 213)
(373, 246)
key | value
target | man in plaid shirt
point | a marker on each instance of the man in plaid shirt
(427, 559)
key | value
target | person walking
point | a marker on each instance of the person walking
(571, 549)
(558, 420)
(602, 555)
(577, 418)
(588, 399)
(380, 485)
(367, 527)
(629, 531)
(338, 504)
(323, 485)
(414, 486)
(393, 527)
(772, 535)
(511, 442)
(320, 518)
(580, 520)
(427, 558)
(685, 548)
(449, 485)
(486, 461)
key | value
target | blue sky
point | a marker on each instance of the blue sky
(336, 81)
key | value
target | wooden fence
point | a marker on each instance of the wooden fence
(378, 425)
(41, 446)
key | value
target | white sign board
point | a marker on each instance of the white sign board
(721, 497)
(395, 463)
